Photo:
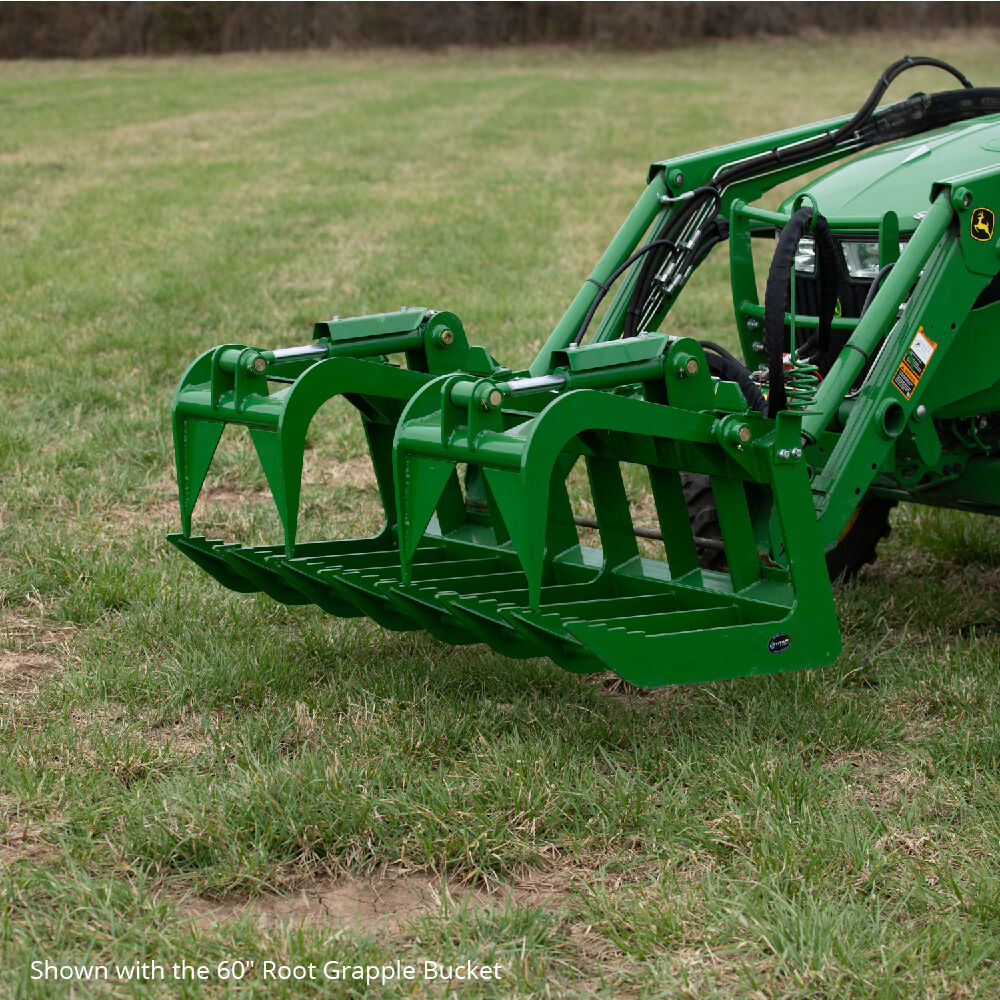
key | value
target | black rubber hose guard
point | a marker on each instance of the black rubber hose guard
(779, 278)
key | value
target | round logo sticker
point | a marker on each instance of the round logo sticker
(778, 643)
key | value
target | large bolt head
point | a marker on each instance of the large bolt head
(258, 365)
(495, 398)
(692, 367)
(744, 433)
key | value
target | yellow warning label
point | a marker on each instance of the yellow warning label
(912, 366)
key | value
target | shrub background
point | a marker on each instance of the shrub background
(87, 30)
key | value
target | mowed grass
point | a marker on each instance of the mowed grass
(168, 748)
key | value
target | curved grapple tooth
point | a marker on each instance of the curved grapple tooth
(480, 616)
(195, 442)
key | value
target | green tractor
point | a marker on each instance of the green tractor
(861, 384)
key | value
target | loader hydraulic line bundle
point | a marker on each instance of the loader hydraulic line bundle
(862, 383)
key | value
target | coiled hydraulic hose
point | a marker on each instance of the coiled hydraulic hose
(779, 279)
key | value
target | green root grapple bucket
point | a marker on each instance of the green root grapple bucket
(857, 388)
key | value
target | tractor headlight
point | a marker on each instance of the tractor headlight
(861, 258)
(805, 256)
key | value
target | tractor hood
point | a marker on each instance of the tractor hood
(899, 176)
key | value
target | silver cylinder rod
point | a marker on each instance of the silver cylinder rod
(537, 383)
(306, 351)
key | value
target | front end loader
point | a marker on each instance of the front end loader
(860, 384)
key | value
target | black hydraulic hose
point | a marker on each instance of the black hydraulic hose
(762, 163)
(672, 227)
(779, 278)
(604, 288)
(821, 144)
(711, 345)
(873, 288)
(726, 367)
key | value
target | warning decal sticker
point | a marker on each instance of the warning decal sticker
(912, 366)
(904, 381)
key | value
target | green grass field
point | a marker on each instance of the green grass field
(191, 775)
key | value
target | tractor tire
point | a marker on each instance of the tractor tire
(704, 517)
(855, 548)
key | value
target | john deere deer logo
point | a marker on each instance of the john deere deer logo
(982, 224)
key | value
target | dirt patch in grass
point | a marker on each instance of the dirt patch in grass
(381, 903)
(612, 687)
(20, 838)
(22, 630)
(918, 844)
(23, 842)
(185, 735)
(21, 673)
(29, 662)
(881, 781)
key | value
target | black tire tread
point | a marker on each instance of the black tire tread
(859, 547)
(704, 517)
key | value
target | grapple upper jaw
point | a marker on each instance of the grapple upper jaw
(235, 384)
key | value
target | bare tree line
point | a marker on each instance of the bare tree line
(87, 30)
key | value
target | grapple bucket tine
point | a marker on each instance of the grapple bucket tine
(429, 608)
(195, 443)
(420, 483)
(256, 566)
(210, 556)
(368, 600)
(481, 616)
(524, 514)
(548, 633)
(283, 472)
(318, 592)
